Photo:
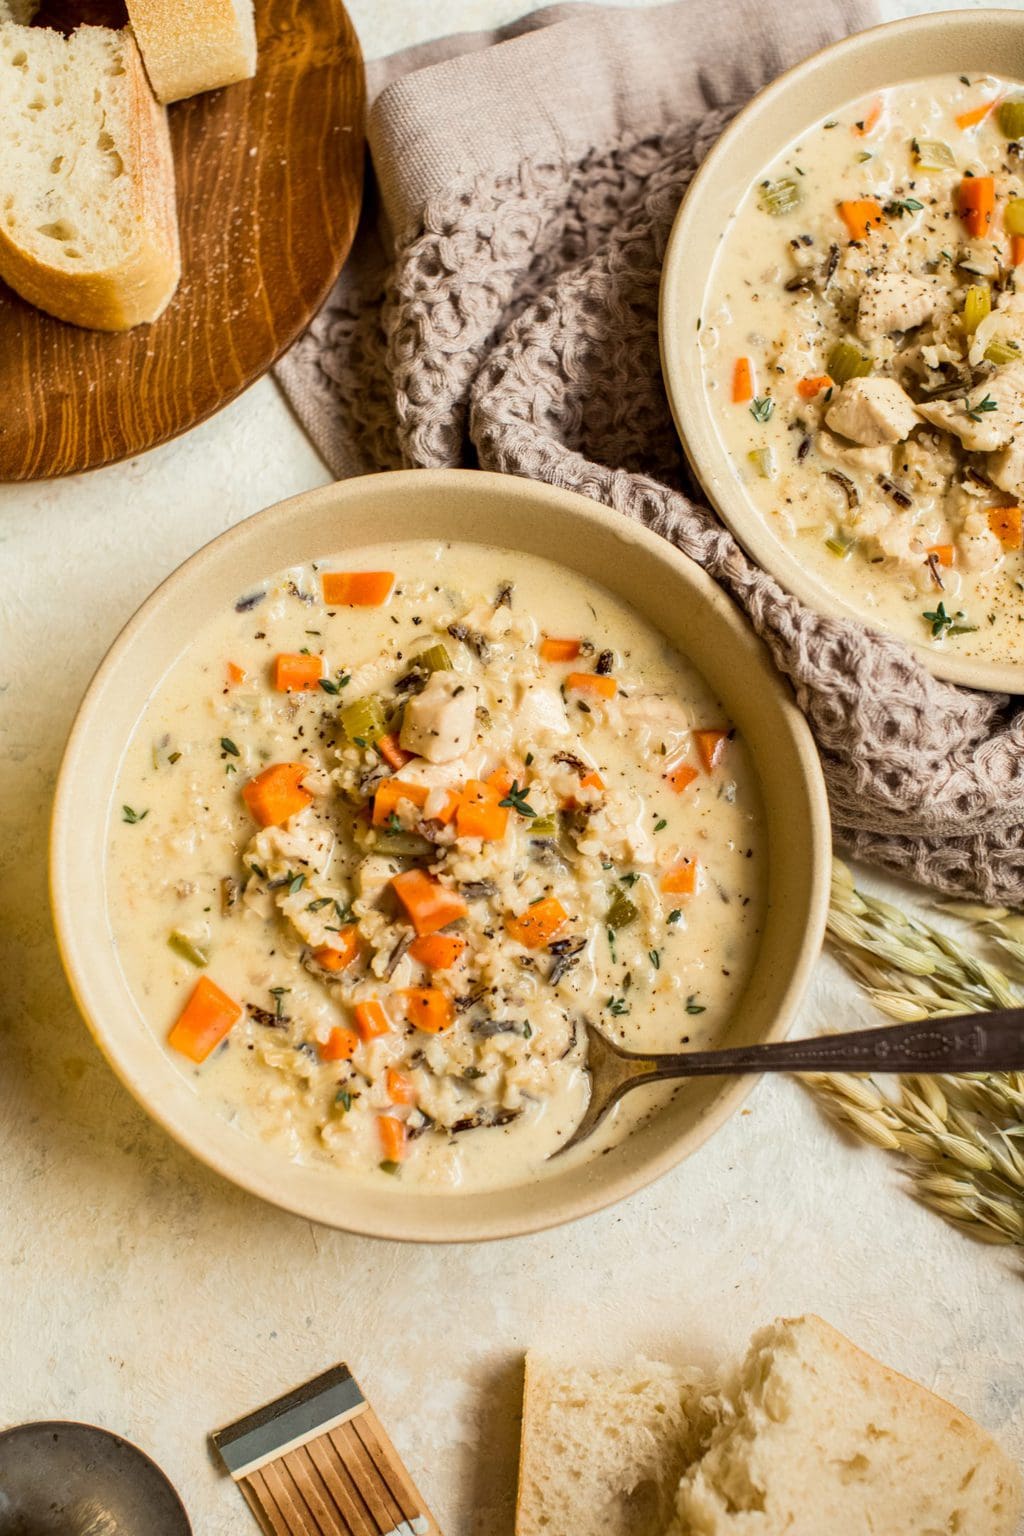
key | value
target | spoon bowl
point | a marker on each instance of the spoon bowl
(59, 1478)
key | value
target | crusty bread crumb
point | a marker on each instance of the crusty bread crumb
(602, 1451)
(194, 45)
(816, 1436)
(88, 222)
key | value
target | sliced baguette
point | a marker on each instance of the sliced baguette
(194, 45)
(602, 1451)
(88, 225)
(816, 1436)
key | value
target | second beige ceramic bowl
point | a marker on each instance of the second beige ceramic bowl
(976, 42)
(518, 514)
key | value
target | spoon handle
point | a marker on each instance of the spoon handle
(970, 1042)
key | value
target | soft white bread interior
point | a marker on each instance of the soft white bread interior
(815, 1436)
(194, 45)
(18, 10)
(602, 1451)
(88, 222)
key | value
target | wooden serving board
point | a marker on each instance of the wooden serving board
(269, 176)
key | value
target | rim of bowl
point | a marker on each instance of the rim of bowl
(78, 887)
(681, 300)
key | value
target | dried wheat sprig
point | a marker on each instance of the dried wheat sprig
(961, 1136)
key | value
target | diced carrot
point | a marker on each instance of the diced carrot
(681, 879)
(859, 214)
(1016, 250)
(590, 780)
(870, 119)
(371, 1020)
(448, 810)
(1005, 523)
(389, 792)
(392, 752)
(277, 793)
(681, 776)
(945, 554)
(813, 385)
(592, 682)
(437, 951)
(430, 905)
(480, 812)
(710, 746)
(393, 1138)
(500, 781)
(428, 1008)
(559, 650)
(538, 925)
(341, 1044)
(977, 204)
(236, 674)
(399, 1087)
(295, 673)
(357, 589)
(977, 114)
(339, 955)
(204, 1021)
(742, 381)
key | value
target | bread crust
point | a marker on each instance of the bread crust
(193, 48)
(139, 289)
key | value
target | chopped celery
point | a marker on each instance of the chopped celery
(187, 948)
(1000, 352)
(933, 155)
(840, 545)
(1010, 117)
(846, 362)
(406, 845)
(977, 305)
(543, 826)
(1013, 218)
(434, 659)
(763, 461)
(780, 196)
(622, 912)
(363, 721)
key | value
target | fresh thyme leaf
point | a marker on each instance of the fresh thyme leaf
(394, 823)
(319, 904)
(344, 1098)
(278, 993)
(227, 745)
(127, 814)
(516, 800)
(975, 412)
(692, 1005)
(660, 824)
(761, 408)
(901, 205)
(617, 1006)
(654, 955)
(944, 623)
(329, 685)
(296, 885)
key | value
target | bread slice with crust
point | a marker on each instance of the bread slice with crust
(602, 1451)
(194, 45)
(88, 221)
(816, 1436)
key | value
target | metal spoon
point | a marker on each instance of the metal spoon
(66, 1479)
(970, 1042)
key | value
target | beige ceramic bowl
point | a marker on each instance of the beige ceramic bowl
(634, 564)
(962, 41)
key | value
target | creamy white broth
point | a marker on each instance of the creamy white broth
(187, 859)
(896, 527)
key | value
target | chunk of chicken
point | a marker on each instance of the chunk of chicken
(893, 301)
(990, 415)
(540, 709)
(873, 461)
(979, 548)
(1006, 468)
(439, 723)
(872, 412)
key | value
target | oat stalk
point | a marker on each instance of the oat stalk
(960, 1137)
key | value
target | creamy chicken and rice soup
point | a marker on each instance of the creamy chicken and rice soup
(388, 834)
(863, 342)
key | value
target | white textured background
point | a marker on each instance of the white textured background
(139, 1291)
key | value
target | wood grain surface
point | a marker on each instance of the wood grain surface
(269, 176)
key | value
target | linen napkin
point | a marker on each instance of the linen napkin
(500, 309)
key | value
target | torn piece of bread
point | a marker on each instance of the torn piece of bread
(88, 221)
(602, 1451)
(816, 1436)
(194, 45)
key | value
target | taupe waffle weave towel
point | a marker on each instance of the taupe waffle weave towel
(501, 308)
